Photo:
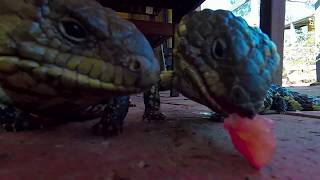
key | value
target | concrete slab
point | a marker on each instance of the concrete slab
(310, 114)
(310, 90)
(187, 146)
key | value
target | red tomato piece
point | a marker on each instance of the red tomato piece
(253, 138)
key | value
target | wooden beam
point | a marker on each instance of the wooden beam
(180, 8)
(272, 18)
(167, 4)
(153, 28)
(318, 70)
(127, 3)
(156, 41)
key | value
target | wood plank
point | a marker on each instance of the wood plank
(154, 28)
(272, 18)
(127, 3)
(179, 8)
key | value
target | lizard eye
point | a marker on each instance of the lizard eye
(219, 48)
(72, 30)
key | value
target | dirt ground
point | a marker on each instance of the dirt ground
(186, 146)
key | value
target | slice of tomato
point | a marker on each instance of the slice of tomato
(253, 138)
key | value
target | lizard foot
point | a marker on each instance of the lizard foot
(107, 128)
(111, 122)
(12, 120)
(153, 116)
(279, 104)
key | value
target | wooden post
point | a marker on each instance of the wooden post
(174, 91)
(318, 70)
(272, 18)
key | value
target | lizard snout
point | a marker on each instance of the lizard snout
(148, 71)
(244, 101)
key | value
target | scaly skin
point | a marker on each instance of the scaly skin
(210, 80)
(282, 99)
(223, 63)
(58, 57)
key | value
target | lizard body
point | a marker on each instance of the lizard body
(283, 99)
(226, 65)
(222, 62)
(59, 57)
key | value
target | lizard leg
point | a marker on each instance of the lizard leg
(279, 104)
(111, 122)
(152, 104)
(13, 120)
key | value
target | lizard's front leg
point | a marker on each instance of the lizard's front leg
(111, 122)
(152, 104)
(14, 120)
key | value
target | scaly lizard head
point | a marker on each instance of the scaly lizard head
(224, 63)
(69, 47)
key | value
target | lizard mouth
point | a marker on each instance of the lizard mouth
(192, 74)
(217, 97)
(76, 74)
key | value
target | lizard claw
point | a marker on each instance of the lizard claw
(111, 122)
(153, 115)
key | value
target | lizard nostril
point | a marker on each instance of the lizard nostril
(135, 65)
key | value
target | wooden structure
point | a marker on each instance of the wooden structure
(301, 22)
(156, 32)
(318, 70)
(272, 16)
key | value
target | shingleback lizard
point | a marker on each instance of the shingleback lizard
(283, 99)
(59, 58)
(220, 62)
(226, 65)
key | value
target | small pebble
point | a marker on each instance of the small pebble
(273, 177)
(58, 146)
(142, 164)
(106, 143)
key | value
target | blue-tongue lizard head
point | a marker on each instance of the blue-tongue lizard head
(224, 63)
(70, 50)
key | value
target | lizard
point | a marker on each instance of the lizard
(219, 56)
(220, 62)
(279, 99)
(63, 59)
(282, 99)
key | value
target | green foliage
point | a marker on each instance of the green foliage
(303, 50)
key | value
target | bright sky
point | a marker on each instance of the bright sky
(216, 4)
(225, 4)
(297, 10)
(294, 10)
